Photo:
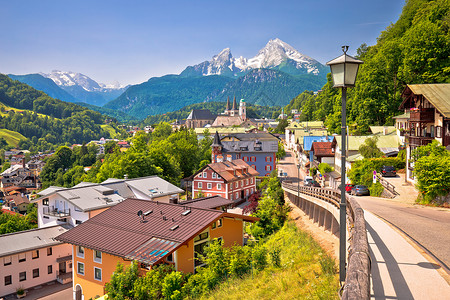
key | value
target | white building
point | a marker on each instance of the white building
(58, 205)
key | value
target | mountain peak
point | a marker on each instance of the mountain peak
(276, 54)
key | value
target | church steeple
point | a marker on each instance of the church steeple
(216, 148)
(234, 104)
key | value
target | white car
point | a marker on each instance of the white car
(307, 179)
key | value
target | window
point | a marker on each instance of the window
(45, 217)
(78, 222)
(231, 196)
(438, 130)
(80, 268)
(209, 186)
(77, 209)
(200, 175)
(201, 236)
(169, 257)
(253, 158)
(35, 273)
(98, 256)
(8, 280)
(97, 273)
(251, 180)
(246, 193)
(49, 251)
(7, 260)
(80, 251)
(22, 257)
(237, 195)
(204, 175)
(214, 175)
(251, 191)
(219, 186)
(22, 276)
(219, 223)
(200, 185)
(245, 158)
(50, 269)
(35, 254)
(45, 201)
(208, 195)
(236, 184)
(246, 181)
(268, 168)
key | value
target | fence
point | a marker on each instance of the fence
(357, 281)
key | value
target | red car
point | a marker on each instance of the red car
(348, 187)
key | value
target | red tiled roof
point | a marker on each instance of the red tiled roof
(9, 212)
(322, 149)
(226, 170)
(121, 232)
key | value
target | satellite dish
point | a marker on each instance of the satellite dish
(140, 213)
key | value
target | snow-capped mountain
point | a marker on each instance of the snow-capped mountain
(66, 79)
(275, 55)
(85, 89)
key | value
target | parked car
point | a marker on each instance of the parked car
(313, 183)
(388, 171)
(360, 190)
(307, 179)
(348, 187)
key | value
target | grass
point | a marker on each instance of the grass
(305, 272)
(112, 132)
(11, 137)
(8, 108)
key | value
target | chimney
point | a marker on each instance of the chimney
(125, 176)
(219, 158)
(23, 162)
(229, 157)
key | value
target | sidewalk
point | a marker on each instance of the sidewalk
(399, 270)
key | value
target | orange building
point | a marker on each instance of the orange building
(149, 232)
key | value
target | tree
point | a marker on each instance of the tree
(369, 149)
(282, 124)
(122, 282)
(281, 152)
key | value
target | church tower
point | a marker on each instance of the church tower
(216, 147)
(242, 110)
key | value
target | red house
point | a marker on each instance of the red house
(234, 180)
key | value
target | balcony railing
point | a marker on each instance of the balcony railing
(64, 278)
(56, 212)
(420, 140)
(425, 115)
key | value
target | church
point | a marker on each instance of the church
(232, 117)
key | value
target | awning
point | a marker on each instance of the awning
(64, 258)
(152, 251)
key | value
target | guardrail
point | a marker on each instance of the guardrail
(387, 185)
(357, 280)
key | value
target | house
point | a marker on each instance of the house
(305, 154)
(18, 202)
(150, 233)
(429, 117)
(257, 148)
(36, 166)
(295, 133)
(402, 125)
(58, 205)
(323, 152)
(198, 118)
(231, 179)
(223, 131)
(33, 257)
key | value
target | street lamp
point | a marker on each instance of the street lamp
(343, 70)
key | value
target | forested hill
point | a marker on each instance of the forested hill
(253, 111)
(414, 50)
(45, 121)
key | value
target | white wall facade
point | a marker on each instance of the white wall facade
(55, 201)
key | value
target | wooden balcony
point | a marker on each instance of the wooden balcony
(419, 140)
(56, 212)
(64, 278)
(423, 115)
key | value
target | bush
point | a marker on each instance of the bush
(171, 287)
(376, 189)
(325, 168)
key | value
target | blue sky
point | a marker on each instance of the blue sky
(131, 41)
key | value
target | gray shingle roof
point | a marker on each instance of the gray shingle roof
(201, 114)
(28, 240)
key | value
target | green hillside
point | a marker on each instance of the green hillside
(11, 137)
(45, 121)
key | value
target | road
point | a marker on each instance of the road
(429, 226)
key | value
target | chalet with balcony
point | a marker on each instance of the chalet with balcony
(150, 233)
(429, 116)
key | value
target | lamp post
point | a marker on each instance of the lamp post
(343, 70)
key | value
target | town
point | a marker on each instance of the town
(213, 160)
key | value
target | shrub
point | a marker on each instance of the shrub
(171, 287)
(259, 257)
(325, 168)
(376, 189)
(275, 257)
